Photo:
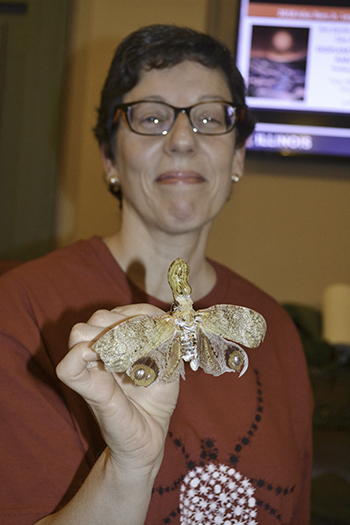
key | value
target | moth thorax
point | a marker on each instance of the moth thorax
(188, 343)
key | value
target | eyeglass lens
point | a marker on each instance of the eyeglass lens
(156, 118)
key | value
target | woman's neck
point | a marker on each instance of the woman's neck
(145, 255)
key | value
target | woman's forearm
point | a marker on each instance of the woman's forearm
(107, 497)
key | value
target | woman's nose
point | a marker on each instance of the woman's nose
(181, 138)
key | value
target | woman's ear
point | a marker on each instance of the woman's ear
(238, 163)
(109, 167)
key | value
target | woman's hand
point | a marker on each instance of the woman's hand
(133, 420)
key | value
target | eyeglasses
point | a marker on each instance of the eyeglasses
(157, 118)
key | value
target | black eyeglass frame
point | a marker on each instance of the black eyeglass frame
(239, 115)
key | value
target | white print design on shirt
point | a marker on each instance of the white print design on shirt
(217, 495)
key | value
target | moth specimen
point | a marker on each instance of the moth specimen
(153, 348)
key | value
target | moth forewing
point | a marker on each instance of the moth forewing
(236, 323)
(133, 339)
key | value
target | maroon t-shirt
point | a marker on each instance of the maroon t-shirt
(238, 449)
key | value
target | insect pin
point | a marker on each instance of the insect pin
(154, 348)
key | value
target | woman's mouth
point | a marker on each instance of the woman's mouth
(180, 177)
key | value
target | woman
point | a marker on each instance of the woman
(215, 450)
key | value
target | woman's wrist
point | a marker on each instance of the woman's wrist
(143, 475)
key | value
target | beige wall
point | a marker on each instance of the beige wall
(287, 227)
(287, 224)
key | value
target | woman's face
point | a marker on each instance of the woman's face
(177, 182)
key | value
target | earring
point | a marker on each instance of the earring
(115, 189)
(234, 178)
(114, 183)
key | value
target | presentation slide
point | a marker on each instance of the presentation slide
(295, 58)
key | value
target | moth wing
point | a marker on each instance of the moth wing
(217, 356)
(133, 339)
(210, 350)
(168, 360)
(236, 323)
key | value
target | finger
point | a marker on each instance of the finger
(83, 332)
(74, 365)
(160, 395)
(106, 319)
(82, 371)
(109, 318)
(138, 309)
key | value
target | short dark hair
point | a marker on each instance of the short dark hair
(158, 47)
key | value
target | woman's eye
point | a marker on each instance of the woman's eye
(151, 118)
(207, 120)
(210, 120)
